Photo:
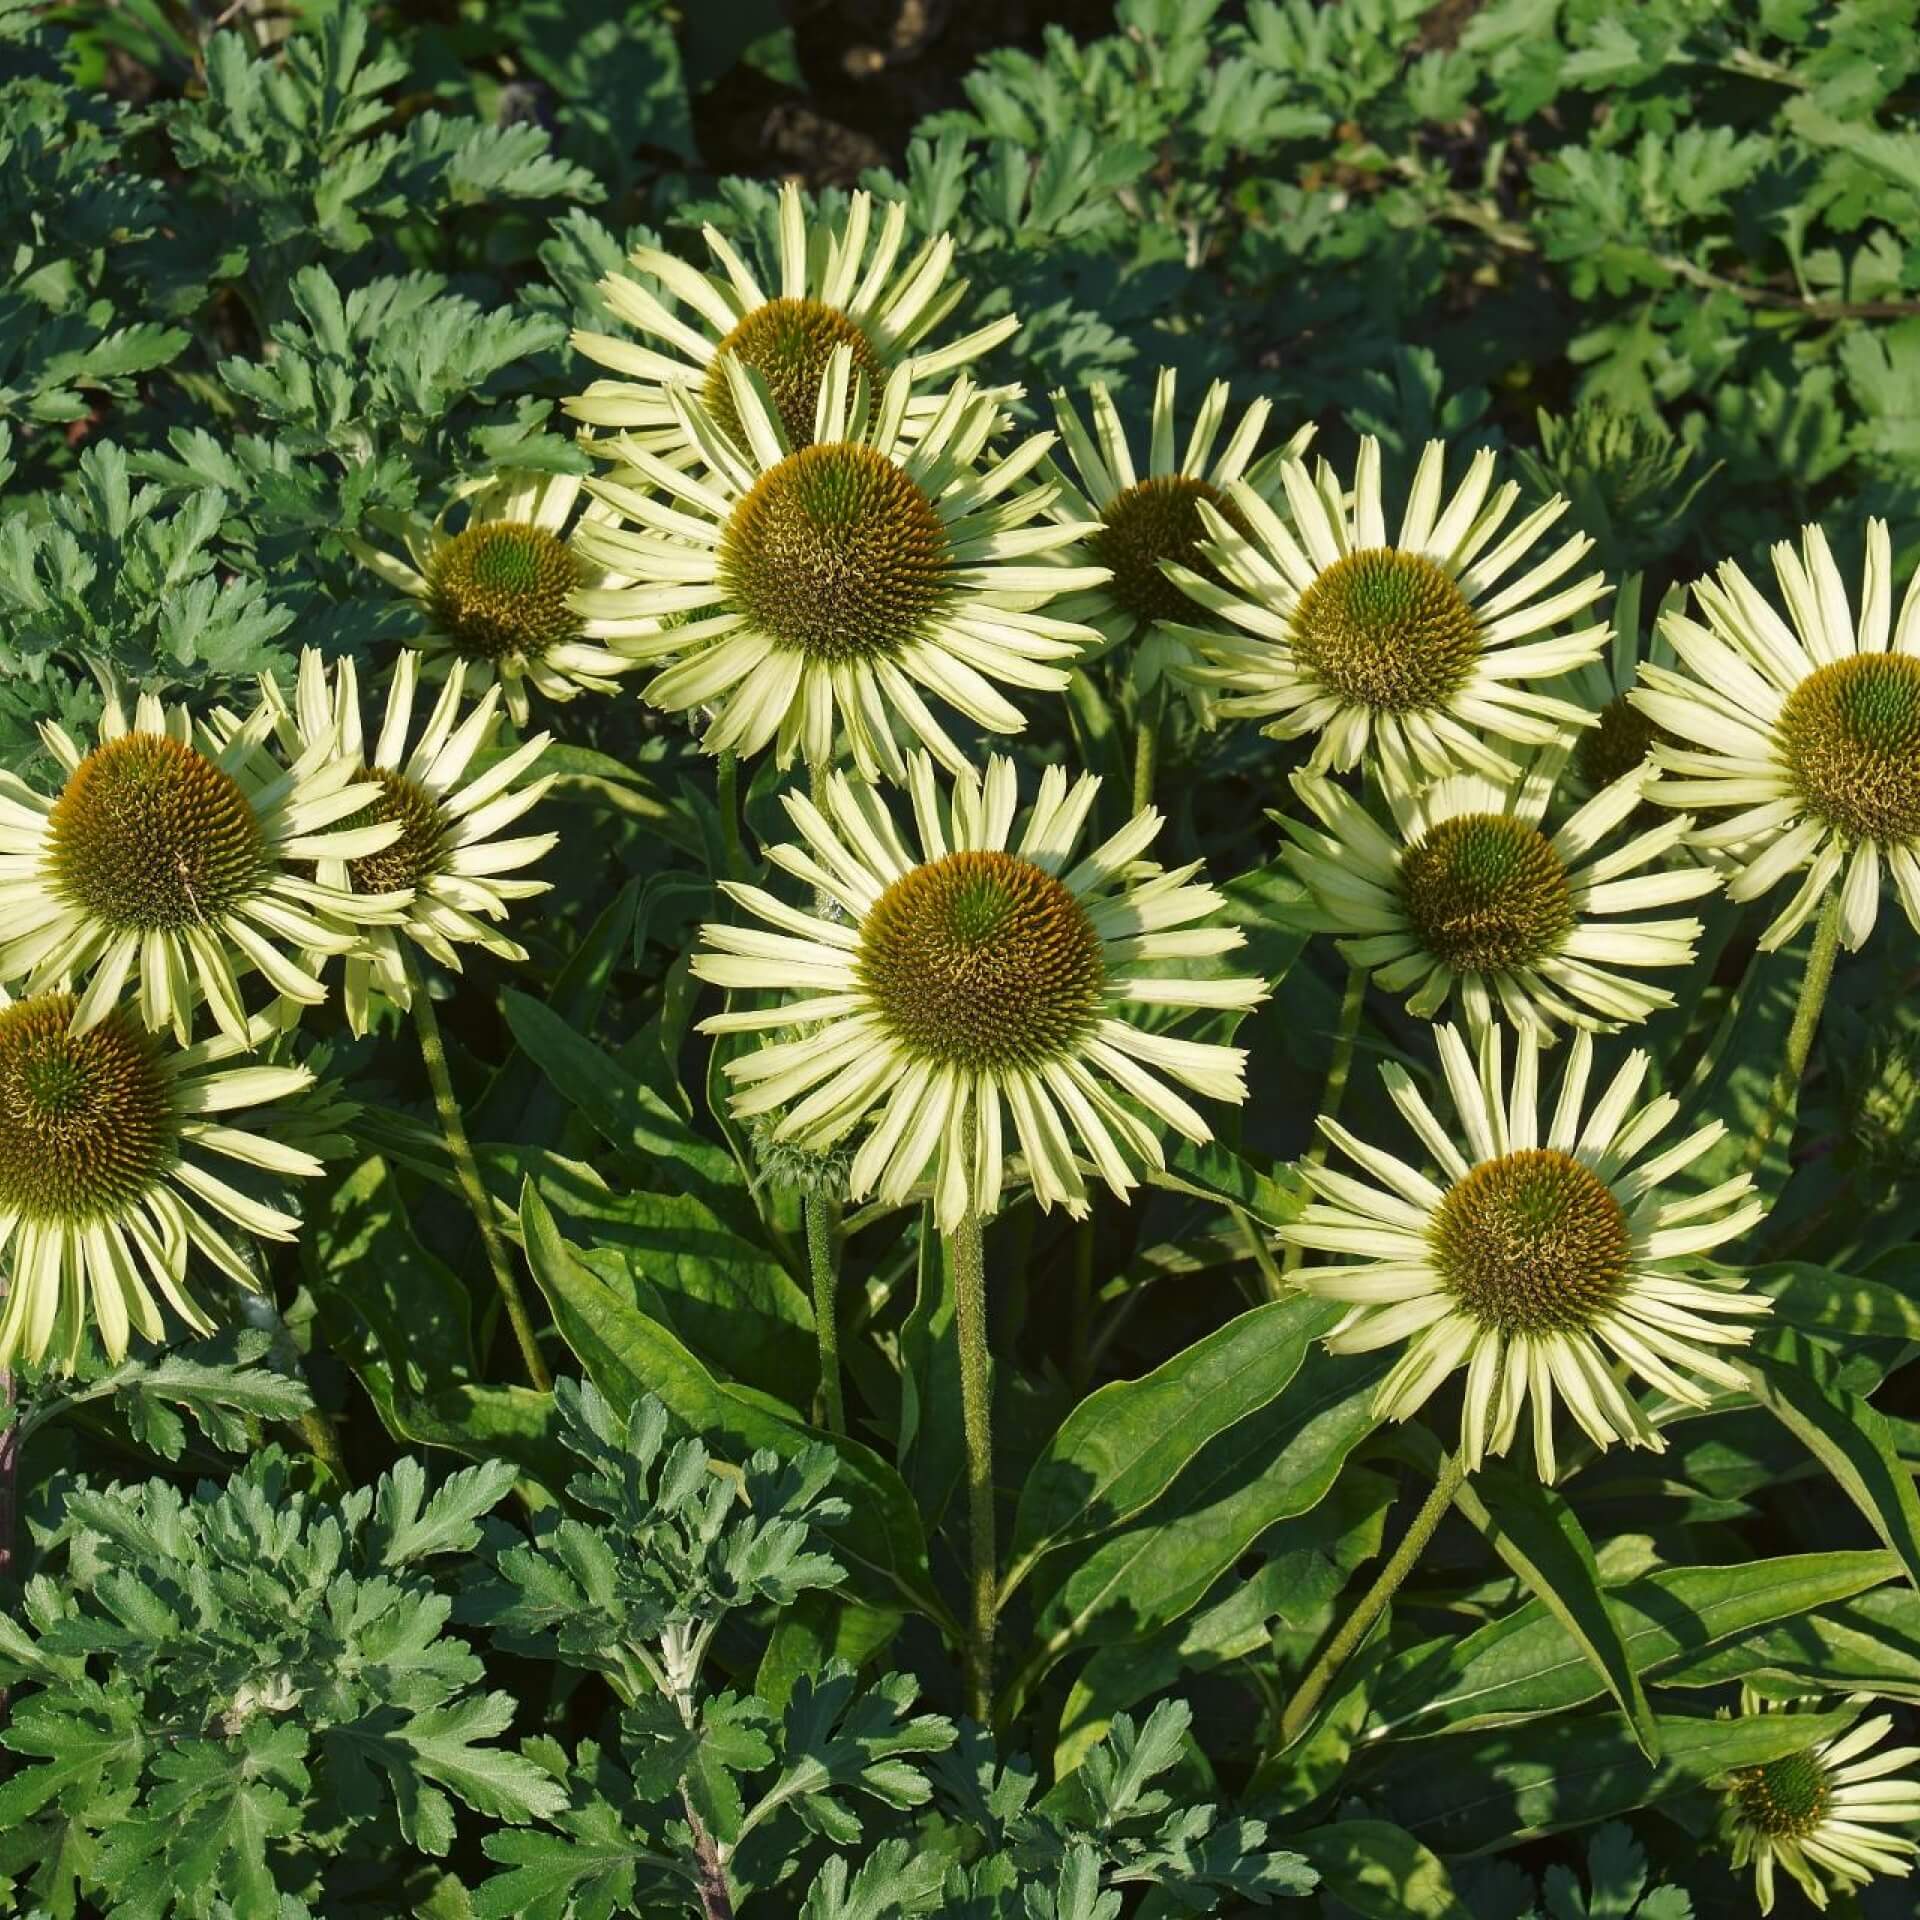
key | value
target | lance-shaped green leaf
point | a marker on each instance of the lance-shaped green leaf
(398, 1317)
(520, 1102)
(1526, 1663)
(1733, 1082)
(1870, 1644)
(627, 1355)
(1215, 1172)
(1381, 1871)
(1540, 1537)
(1795, 1381)
(1312, 1558)
(624, 1110)
(721, 1293)
(1853, 1304)
(1121, 1448)
(1270, 1467)
(1466, 1792)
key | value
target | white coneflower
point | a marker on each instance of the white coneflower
(993, 976)
(1147, 520)
(160, 862)
(449, 861)
(832, 294)
(1820, 1816)
(1809, 733)
(1409, 647)
(105, 1183)
(822, 595)
(497, 593)
(1469, 894)
(1535, 1256)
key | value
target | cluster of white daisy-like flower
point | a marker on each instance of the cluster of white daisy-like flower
(808, 530)
(809, 527)
(185, 875)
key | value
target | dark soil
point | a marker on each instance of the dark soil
(872, 68)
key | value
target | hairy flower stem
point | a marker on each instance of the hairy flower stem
(823, 1223)
(1146, 749)
(433, 1053)
(1806, 1020)
(976, 1406)
(1339, 1072)
(727, 795)
(9, 1466)
(1299, 1711)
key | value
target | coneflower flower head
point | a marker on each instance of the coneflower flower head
(1149, 519)
(833, 293)
(496, 596)
(105, 1183)
(1802, 734)
(1540, 1251)
(992, 990)
(1466, 893)
(175, 861)
(1821, 1816)
(1406, 646)
(453, 857)
(814, 599)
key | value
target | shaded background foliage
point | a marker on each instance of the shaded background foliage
(261, 282)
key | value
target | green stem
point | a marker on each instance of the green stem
(823, 1221)
(1273, 1278)
(976, 1406)
(1146, 749)
(433, 1053)
(1307, 1697)
(1339, 1072)
(727, 798)
(1806, 1020)
(10, 1437)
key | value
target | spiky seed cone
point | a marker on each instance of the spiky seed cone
(1486, 892)
(87, 1121)
(151, 836)
(421, 851)
(788, 343)
(1852, 736)
(983, 960)
(1387, 630)
(1615, 747)
(837, 552)
(1785, 1797)
(501, 588)
(1532, 1243)
(1159, 519)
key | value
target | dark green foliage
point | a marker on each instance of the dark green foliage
(267, 287)
(246, 1695)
